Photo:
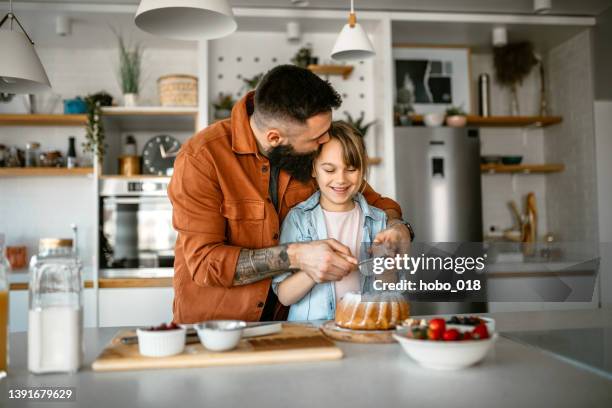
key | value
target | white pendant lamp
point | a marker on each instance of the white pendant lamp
(353, 42)
(186, 19)
(21, 71)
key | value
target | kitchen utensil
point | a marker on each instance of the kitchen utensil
(220, 335)
(511, 160)
(296, 343)
(161, 343)
(74, 106)
(517, 214)
(251, 330)
(445, 355)
(484, 95)
(129, 165)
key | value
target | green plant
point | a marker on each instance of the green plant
(251, 83)
(455, 111)
(303, 57)
(94, 130)
(358, 124)
(513, 62)
(224, 102)
(130, 64)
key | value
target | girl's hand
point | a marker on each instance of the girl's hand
(396, 238)
(323, 261)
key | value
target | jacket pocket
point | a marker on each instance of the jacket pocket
(245, 222)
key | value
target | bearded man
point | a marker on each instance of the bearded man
(233, 184)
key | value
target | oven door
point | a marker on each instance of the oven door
(136, 232)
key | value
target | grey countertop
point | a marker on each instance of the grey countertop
(513, 375)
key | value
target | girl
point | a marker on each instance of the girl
(338, 210)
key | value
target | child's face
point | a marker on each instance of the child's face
(337, 182)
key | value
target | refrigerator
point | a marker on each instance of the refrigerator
(437, 173)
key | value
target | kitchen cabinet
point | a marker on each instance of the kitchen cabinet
(135, 306)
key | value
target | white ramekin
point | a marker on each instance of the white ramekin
(161, 343)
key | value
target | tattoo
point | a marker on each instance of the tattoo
(258, 264)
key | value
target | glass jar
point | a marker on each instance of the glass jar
(31, 154)
(55, 329)
(4, 312)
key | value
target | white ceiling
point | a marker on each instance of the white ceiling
(560, 7)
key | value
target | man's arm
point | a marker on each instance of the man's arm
(257, 264)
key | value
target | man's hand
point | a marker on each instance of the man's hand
(323, 261)
(396, 238)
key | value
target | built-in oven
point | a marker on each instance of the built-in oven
(136, 234)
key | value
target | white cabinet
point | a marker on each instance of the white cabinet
(18, 309)
(135, 306)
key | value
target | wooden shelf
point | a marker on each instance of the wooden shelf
(505, 121)
(138, 176)
(41, 120)
(343, 70)
(44, 171)
(155, 118)
(373, 161)
(521, 168)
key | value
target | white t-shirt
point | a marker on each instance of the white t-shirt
(346, 227)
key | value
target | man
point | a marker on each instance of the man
(233, 184)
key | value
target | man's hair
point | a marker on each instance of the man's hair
(288, 93)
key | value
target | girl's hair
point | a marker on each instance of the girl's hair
(353, 147)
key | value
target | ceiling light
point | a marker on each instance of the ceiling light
(499, 36)
(353, 42)
(186, 19)
(542, 6)
(20, 69)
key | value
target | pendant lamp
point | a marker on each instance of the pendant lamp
(21, 71)
(186, 19)
(353, 42)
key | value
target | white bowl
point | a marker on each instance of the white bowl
(434, 119)
(220, 335)
(445, 355)
(490, 323)
(161, 343)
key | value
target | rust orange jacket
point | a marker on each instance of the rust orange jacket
(219, 194)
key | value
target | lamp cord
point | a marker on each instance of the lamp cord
(12, 17)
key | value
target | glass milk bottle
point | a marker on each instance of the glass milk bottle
(56, 309)
(4, 309)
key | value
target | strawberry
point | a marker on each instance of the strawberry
(451, 335)
(480, 332)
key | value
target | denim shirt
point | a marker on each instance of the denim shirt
(306, 222)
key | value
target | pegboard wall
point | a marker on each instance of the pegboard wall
(246, 54)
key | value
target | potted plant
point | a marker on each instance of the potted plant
(456, 117)
(223, 106)
(94, 130)
(513, 62)
(358, 124)
(303, 57)
(251, 83)
(130, 64)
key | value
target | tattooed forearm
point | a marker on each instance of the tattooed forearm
(257, 264)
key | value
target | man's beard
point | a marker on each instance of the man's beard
(298, 165)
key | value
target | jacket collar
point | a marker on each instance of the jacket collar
(243, 139)
(314, 199)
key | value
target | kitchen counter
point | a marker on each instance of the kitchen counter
(512, 375)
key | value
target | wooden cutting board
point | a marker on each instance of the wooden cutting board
(296, 343)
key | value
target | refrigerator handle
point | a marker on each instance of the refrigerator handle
(437, 167)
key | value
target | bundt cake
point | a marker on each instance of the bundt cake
(381, 313)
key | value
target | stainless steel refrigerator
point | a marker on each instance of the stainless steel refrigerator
(437, 173)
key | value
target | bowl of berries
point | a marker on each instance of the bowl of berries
(441, 346)
(161, 341)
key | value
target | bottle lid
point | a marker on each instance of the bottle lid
(50, 243)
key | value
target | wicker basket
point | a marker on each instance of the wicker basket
(178, 90)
